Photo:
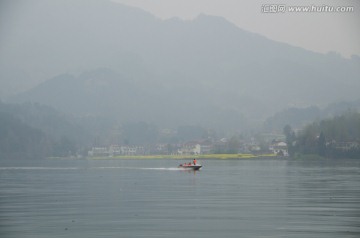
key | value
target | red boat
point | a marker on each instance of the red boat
(190, 166)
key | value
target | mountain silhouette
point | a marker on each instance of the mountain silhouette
(123, 62)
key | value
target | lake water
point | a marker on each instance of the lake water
(152, 198)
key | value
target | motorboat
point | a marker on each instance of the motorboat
(190, 166)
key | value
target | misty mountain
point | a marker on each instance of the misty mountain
(18, 140)
(33, 131)
(104, 93)
(295, 117)
(51, 125)
(205, 70)
(298, 118)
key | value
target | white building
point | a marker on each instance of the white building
(114, 150)
(132, 150)
(190, 148)
(279, 148)
(98, 151)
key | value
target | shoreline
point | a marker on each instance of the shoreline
(182, 157)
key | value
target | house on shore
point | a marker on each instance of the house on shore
(115, 150)
(195, 148)
(279, 148)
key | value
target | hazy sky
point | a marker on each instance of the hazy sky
(316, 31)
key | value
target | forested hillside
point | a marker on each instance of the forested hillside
(36, 131)
(337, 137)
(18, 140)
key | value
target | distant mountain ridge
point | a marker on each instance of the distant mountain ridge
(298, 118)
(205, 70)
(105, 93)
(49, 121)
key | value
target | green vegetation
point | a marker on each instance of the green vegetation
(337, 138)
(18, 139)
(34, 131)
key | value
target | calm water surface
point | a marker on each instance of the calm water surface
(152, 198)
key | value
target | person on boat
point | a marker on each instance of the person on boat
(194, 161)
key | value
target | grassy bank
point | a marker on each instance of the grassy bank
(207, 156)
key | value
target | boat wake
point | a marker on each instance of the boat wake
(138, 168)
(92, 168)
